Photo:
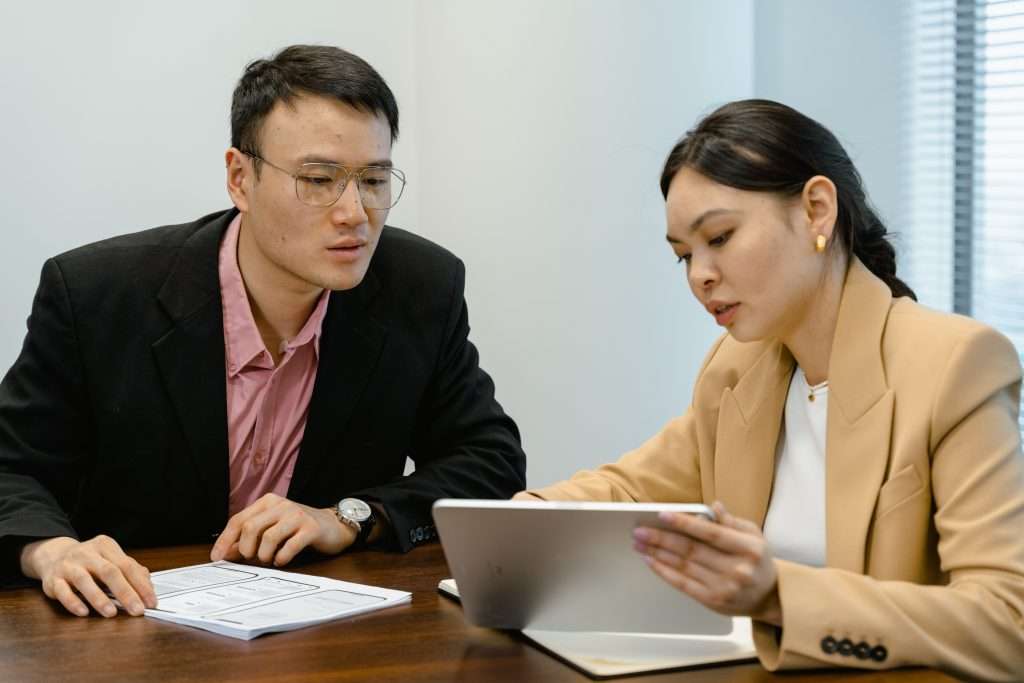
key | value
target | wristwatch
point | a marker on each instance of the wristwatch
(358, 515)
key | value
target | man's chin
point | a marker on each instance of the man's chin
(339, 282)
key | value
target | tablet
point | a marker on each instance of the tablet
(564, 566)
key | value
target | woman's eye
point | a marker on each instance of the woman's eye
(683, 257)
(721, 239)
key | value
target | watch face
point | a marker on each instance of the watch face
(354, 509)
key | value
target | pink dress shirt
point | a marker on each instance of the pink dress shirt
(267, 405)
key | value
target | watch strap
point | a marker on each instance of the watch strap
(365, 528)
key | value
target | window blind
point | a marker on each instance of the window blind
(963, 233)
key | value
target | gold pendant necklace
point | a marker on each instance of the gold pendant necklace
(815, 390)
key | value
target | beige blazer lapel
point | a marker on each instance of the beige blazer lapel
(749, 420)
(860, 407)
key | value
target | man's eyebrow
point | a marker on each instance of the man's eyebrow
(318, 159)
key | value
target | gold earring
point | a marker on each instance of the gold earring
(819, 244)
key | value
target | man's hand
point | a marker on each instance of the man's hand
(71, 570)
(725, 565)
(275, 529)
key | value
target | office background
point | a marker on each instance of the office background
(533, 134)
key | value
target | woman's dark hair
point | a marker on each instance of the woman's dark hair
(765, 146)
(311, 69)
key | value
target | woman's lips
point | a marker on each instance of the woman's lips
(725, 314)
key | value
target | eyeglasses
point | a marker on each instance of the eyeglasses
(317, 184)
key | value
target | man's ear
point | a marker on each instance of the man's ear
(819, 206)
(240, 178)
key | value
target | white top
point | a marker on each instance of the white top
(795, 523)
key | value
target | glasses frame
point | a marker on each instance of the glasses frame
(358, 173)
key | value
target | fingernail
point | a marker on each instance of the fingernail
(641, 534)
(109, 610)
(640, 548)
(666, 516)
(81, 611)
(135, 607)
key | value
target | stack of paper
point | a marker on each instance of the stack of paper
(244, 602)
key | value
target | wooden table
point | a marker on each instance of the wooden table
(426, 641)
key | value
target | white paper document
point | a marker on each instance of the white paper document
(244, 602)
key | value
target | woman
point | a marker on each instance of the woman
(863, 451)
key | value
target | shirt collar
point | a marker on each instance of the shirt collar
(243, 344)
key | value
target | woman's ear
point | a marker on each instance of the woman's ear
(820, 207)
(239, 180)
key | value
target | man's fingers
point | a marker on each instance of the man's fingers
(112, 576)
(253, 530)
(228, 537)
(294, 545)
(232, 532)
(274, 535)
(59, 590)
(85, 584)
(141, 581)
(232, 554)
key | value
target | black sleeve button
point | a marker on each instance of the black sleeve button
(845, 647)
(828, 645)
(862, 650)
(879, 653)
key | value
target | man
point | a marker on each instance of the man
(258, 376)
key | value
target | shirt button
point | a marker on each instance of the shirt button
(261, 458)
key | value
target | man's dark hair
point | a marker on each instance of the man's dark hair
(306, 69)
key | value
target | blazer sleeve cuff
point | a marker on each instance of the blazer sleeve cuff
(779, 648)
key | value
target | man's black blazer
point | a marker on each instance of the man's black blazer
(113, 419)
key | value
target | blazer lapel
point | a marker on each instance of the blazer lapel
(860, 407)
(350, 347)
(191, 360)
(749, 421)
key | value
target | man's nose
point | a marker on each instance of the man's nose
(349, 207)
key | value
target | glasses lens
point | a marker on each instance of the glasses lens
(380, 187)
(319, 184)
(323, 184)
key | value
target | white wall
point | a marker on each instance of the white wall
(544, 126)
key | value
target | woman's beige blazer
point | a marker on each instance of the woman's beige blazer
(924, 486)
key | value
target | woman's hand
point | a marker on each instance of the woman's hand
(725, 565)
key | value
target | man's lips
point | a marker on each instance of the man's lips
(348, 244)
(348, 251)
